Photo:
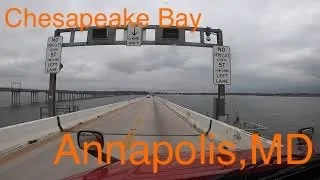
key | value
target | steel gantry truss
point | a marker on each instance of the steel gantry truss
(163, 36)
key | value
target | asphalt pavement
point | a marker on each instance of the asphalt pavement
(147, 120)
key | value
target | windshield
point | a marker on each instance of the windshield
(162, 90)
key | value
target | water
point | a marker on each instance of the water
(27, 112)
(280, 114)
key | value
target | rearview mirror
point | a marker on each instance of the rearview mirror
(309, 131)
(88, 137)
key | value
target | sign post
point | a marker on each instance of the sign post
(221, 74)
(53, 66)
(134, 35)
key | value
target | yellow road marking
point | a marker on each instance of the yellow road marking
(128, 139)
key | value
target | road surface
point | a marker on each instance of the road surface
(147, 116)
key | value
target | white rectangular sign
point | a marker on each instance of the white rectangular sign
(53, 57)
(134, 35)
(221, 65)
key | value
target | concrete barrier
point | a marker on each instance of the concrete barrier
(21, 134)
(221, 130)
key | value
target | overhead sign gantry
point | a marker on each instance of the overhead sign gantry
(136, 36)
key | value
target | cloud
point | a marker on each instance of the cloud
(150, 60)
(274, 47)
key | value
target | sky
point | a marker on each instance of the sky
(274, 48)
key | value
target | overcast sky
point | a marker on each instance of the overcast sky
(274, 44)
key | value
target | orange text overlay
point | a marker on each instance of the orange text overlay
(225, 149)
(23, 17)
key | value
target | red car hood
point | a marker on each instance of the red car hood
(174, 170)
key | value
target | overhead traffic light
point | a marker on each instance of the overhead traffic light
(171, 35)
(101, 36)
(101, 33)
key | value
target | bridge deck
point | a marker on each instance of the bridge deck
(147, 116)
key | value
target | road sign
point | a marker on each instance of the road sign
(53, 57)
(221, 65)
(134, 35)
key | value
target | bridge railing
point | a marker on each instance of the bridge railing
(221, 130)
(60, 109)
(18, 135)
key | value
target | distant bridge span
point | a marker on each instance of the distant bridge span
(63, 95)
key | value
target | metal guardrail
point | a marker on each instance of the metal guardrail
(248, 126)
(60, 109)
(223, 131)
(254, 126)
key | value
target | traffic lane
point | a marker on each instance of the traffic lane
(147, 116)
(122, 123)
(38, 163)
(161, 121)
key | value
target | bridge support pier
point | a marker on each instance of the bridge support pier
(15, 98)
(34, 97)
(60, 98)
(46, 97)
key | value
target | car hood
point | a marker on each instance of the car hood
(174, 170)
